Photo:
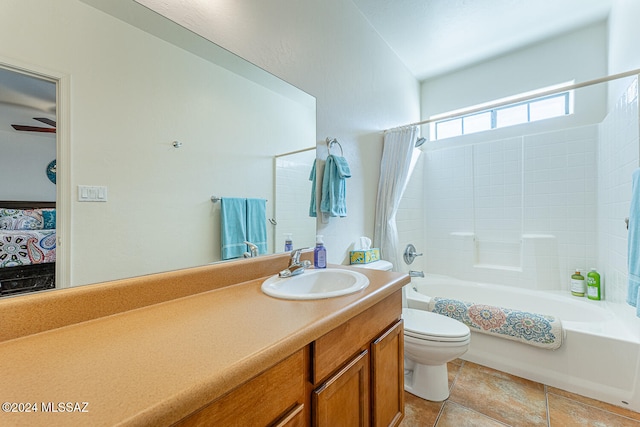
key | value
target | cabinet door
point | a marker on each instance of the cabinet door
(387, 377)
(343, 400)
(294, 418)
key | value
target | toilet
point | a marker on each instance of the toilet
(430, 341)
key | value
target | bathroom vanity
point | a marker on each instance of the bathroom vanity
(204, 346)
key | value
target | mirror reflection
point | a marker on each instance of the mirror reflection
(27, 183)
(123, 104)
(294, 226)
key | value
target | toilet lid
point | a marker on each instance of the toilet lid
(425, 324)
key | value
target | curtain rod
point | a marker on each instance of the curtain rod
(523, 98)
(295, 152)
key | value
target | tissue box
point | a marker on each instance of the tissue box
(364, 256)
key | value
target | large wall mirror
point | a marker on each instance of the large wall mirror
(295, 220)
(130, 84)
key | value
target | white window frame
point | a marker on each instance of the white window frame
(451, 116)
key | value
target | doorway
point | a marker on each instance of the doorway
(28, 181)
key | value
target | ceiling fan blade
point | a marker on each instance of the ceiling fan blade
(33, 129)
(46, 121)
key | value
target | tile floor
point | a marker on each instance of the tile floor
(483, 397)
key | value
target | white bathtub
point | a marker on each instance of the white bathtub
(599, 358)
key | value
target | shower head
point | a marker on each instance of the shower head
(420, 141)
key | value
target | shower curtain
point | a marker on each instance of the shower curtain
(395, 169)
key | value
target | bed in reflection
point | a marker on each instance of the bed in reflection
(27, 246)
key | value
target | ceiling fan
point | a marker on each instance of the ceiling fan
(38, 128)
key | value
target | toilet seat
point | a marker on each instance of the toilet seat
(430, 326)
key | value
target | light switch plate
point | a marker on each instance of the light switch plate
(92, 193)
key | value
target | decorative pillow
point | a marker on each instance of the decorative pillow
(49, 219)
(21, 219)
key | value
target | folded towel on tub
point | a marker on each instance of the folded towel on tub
(539, 330)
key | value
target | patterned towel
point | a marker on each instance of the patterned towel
(539, 330)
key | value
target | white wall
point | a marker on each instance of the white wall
(619, 147)
(131, 95)
(617, 159)
(23, 164)
(328, 49)
(624, 32)
(579, 55)
(589, 232)
(494, 199)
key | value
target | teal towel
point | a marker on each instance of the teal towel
(257, 223)
(312, 203)
(334, 186)
(233, 227)
(633, 244)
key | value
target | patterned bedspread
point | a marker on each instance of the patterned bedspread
(24, 247)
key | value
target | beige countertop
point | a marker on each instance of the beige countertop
(156, 364)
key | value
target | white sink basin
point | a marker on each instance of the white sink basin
(315, 284)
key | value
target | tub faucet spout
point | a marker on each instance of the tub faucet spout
(413, 273)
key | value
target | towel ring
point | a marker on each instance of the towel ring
(330, 142)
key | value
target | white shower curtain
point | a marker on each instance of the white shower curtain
(395, 169)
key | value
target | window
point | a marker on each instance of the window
(545, 107)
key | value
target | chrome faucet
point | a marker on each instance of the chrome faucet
(253, 248)
(295, 265)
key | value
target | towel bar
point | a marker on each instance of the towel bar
(216, 199)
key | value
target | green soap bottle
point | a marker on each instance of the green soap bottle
(594, 290)
(577, 284)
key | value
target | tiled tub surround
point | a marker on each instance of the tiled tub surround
(527, 211)
(486, 199)
(617, 159)
(153, 349)
(600, 354)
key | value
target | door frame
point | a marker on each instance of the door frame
(63, 161)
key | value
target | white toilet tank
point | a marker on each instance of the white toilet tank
(376, 265)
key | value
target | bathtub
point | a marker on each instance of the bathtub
(600, 355)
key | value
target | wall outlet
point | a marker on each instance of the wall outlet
(92, 193)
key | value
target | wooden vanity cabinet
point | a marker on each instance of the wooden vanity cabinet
(276, 397)
(358, 369)
(351, 376)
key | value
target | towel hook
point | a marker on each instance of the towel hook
(330, 142)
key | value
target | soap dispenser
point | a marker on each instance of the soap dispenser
(288, 242)
(320, 253)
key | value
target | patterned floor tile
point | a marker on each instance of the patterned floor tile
(565, 412)
(454, 415)
(500, 396)
(419, 412)
(598, 404)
